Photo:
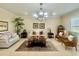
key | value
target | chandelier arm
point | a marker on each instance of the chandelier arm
(41, 14)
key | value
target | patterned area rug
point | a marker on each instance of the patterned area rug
(50, 47)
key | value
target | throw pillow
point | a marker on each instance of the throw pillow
(61, 33)
(70, 37)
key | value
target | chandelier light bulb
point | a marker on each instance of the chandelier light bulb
(45, 13)
(40, 13)
(46, 16)
(35, 15)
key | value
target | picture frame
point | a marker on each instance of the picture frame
(35, 25)
(3, 26)
(41, 25)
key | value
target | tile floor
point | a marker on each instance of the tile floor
(61, 50)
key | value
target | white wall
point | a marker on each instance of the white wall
(67, 18)
(49, 23)
(9, 17)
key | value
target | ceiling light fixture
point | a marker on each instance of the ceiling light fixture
(41, 14)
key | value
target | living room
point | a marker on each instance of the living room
(60, 14)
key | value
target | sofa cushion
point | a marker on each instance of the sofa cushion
(70, 37)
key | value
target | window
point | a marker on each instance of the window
(75, 24)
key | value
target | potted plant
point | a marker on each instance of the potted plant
(18, 22)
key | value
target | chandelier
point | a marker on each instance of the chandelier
(41, 14)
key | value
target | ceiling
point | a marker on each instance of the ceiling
(26, 9)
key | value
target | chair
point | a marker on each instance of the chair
(24, 34)
(60, 29)
(72, 43)
(41, 33)
(50, 34)
(42, 40)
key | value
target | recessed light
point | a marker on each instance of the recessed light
(53, 13)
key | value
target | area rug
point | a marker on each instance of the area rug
(50, 47)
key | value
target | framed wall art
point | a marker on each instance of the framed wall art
(3, 26)
(41, 25)
(35, 25)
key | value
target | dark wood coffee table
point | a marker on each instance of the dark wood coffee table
(39, 41)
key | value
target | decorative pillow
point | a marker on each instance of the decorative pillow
(66, 33)
(70, 37)
(61, 33)
(5, 35)
(13, 34)
(8, 34)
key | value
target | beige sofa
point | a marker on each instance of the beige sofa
(6, 40)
